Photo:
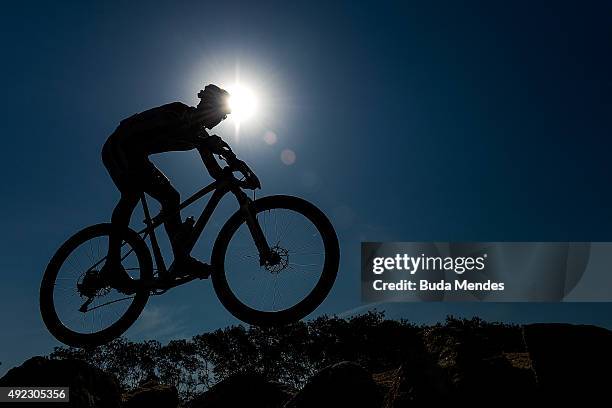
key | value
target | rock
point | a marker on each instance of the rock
(570, 360)
(345, 384)
(242, 390)
(152, 394)
(90, 387)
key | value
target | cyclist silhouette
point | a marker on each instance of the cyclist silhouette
(292, 251)
(171, 127)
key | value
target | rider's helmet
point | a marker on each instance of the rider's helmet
(214, 105)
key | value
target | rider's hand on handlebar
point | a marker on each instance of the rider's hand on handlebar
(216, 145)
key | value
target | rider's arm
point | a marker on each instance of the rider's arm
(210, 162)
(211, 145)
(215, 145)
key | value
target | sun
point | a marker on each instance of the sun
(242, 102)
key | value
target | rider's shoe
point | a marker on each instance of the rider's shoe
(189, 266)
(118, 278)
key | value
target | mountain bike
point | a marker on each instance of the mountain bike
(273, 262)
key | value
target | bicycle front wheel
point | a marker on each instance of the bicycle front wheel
(76, 309)
(308, 254)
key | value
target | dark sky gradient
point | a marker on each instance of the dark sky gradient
(410, 121)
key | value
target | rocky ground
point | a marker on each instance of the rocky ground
(554, 363)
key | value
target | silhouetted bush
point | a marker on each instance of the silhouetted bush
(289, 354)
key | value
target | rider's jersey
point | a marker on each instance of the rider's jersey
(171, 127)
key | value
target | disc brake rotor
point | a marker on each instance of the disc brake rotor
(281, 260)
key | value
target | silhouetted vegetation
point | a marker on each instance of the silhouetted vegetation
(289, 354)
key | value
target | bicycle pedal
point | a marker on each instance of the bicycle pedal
(205, 275)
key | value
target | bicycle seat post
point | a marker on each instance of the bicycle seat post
(159, 260)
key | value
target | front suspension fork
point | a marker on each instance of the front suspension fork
(247, 208)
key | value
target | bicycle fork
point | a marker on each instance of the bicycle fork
(266, 255)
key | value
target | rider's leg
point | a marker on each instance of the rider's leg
(112, 271)
(162, 190)
(120, 167)
(120, 221)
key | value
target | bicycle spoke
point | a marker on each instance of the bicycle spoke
(111, 302)
(304, 265)
(107, 305)
(275, 287)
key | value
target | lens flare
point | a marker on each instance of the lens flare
(270, 137)
(288, 157)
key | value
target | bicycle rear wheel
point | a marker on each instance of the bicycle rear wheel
(308, 257)
(67, 285)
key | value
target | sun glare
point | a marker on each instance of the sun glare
(243, 103)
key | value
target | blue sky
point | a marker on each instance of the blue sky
(471, 121)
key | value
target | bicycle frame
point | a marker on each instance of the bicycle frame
(220, 187)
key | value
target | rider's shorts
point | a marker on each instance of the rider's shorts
(131, 171)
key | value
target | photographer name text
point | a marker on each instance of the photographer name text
(422, 264)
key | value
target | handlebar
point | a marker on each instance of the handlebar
(250, 181)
